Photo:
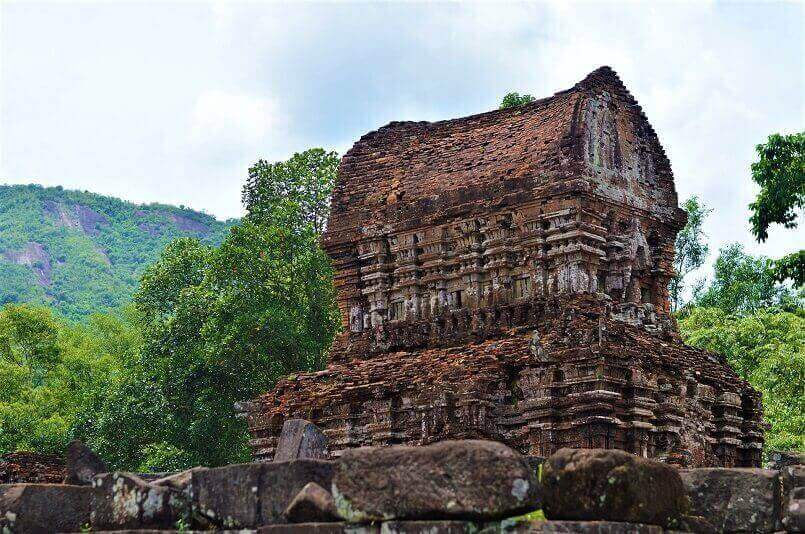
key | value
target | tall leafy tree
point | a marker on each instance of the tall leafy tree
(780, 173)
(691, 248)
(744, 284)
(515, 100)
(301, 185)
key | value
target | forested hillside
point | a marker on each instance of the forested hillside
(81, 252)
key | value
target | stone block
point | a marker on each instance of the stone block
(469, 479)
(251, 495)
(282, 481)
(735, 500)
(82, 464)
(319, 528)
(313, 504)
(794, 515)
(793, 476)
(44, 508)
(611, 485)
(300, 439)
(228, 496)
(587, 527)
(428, 527)
(181, 481)
(123, 500)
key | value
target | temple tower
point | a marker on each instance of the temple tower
(505, 276)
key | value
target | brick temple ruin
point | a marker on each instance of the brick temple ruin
(504, 276)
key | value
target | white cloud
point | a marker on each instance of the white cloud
(226, 123)
(172, 102)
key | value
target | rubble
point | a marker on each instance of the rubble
(18, 467)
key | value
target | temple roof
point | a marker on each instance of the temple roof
(500, 150)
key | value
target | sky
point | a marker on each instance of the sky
(172, 102)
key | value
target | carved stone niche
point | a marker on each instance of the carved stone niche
(505, 276)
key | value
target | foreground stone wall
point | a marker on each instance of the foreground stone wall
(451, 487)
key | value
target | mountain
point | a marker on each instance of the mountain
(81, 252)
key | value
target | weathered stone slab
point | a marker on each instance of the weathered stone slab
(319, 528)
(313, 504)
(250, 495)
(44, 508)
(300, 439)
(82, 464)
(469, 479)
(228, 496)
(780, 459)
(793, 476)
(735, 500)
(123, 500)
(428, 527)
(282, 481)
(794, 515)
(611, 485)
(586, 527)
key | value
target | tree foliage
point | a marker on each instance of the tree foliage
(743, 284)
(155, 387)
(767, 348)
(52, 371)
(302, 186)
(780, 173)
(691, 248)
(515, 100)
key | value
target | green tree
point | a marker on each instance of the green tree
(50, 371)
(302, 184)
(29, 338)
(743, 284)
(515, 100)
(691, 248)
(780, 173)
(221, 325)
(767, 348)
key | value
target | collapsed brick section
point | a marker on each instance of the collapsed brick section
(505, 276)
(16, 467)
